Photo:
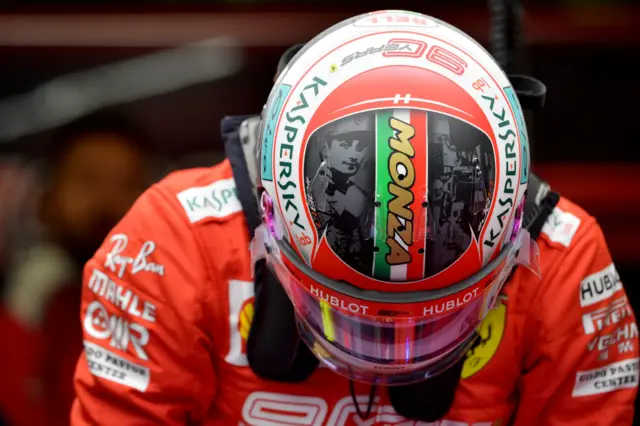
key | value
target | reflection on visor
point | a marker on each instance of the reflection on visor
(389, 350)
(387, 374)
(385, 340)
(382, 350)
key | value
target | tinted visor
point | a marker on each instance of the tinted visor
(388, 350)
(384, 351)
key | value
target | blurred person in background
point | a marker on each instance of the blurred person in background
(184, 324)
(94, 174)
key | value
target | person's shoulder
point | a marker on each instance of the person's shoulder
(577, 271)
(181, 180)
(162, 276)
(567, 236)
(572, 243)
(162, 226)
(196, 195)
(158, 253)
(203, 193)
(567, 225)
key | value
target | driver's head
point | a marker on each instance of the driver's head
(389, 304)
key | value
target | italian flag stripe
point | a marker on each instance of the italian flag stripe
(381, 269)
(419, 121)
(414, 268)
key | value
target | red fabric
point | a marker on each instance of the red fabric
(175, 275)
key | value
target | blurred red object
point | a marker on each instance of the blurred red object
(37, 366)
(20, 350)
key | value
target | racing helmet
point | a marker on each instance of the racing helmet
(393, 171)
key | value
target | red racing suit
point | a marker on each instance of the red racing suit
(167, 306)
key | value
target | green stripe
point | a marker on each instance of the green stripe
(382, 270)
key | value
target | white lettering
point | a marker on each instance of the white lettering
(133, 307)
(117, 263)
(96, 321)
(624, 347)
(122, 300)
(278, 409)
(120, 297)
(99, 325)
(450, 305)
(604, 317)
(111, 292)
(149, 312)
(621, 334)
(274, 409)
(336, 302)
(139, 340)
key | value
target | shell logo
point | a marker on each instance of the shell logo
(244, 321)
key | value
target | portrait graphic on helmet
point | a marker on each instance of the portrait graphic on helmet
(341, 179)
(392, 185)
(339, 182)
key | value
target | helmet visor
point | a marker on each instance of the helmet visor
(383, 350)
(354, 339)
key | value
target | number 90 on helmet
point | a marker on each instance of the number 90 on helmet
(393, 168)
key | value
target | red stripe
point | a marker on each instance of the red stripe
(415, 269)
